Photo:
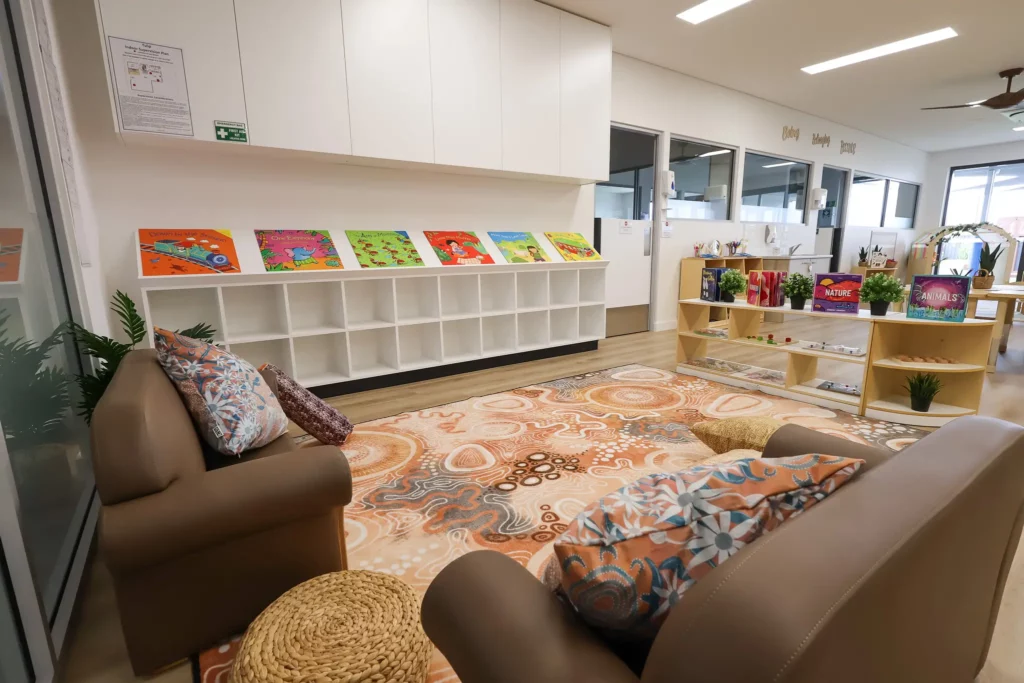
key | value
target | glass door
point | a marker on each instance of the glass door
(14, 661)
(829, 238)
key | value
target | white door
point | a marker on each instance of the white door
(626, 245)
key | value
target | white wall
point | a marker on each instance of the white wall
(665, 101)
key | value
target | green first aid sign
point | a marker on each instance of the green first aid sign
(230, 131)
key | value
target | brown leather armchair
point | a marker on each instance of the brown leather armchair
(197, 554)
(897, 577)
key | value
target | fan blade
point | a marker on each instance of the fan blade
(954, 106)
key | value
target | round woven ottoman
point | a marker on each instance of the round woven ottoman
(345, 627)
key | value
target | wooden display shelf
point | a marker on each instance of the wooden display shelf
(825, 394)
(691, 271)
(868, 271)
(896, 364)
(785, 348)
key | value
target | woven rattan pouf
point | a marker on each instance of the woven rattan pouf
(349, 627)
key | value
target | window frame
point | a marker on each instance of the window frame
(988, 186)
(735, 149)
(885, 198)
(807, 189)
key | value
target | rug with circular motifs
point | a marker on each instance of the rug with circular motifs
(508, 472)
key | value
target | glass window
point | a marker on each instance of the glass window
(989, 194)
(774, 189)
(629, 191)
(900, 205)
(882, 203)
(703, 181)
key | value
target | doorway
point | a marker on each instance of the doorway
(832, 219)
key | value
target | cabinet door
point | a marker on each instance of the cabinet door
(293, 67)
(204, 31)
(465, 72)
(586, 91)
(387, 55)
(530, 75)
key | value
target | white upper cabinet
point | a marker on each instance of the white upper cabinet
(465, 70)
(387, 55)
(530, 87)
(204, 32)
(586, 98)
(293, 67)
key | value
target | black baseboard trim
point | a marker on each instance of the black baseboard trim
(410, 376)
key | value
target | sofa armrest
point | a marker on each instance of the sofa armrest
(792, 440)
(210, 508)
(496, 623)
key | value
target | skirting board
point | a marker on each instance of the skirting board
(397, 378)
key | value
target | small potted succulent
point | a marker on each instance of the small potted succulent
(730, 284)
(922, 387)
(881, 290)
(862, 257)
(799, 288)
(986, 275)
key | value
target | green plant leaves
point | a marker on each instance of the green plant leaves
(132, 323)
(882, 287)
(923, 385)
(200, 331)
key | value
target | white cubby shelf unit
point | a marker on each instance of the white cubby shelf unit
(330, 327)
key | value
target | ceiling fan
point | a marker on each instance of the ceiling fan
(1004, 100)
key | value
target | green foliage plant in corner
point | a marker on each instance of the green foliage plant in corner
(732, 283)
(109, 353)
(922, 387)
(35, 400)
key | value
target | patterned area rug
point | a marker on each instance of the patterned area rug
(508, 472)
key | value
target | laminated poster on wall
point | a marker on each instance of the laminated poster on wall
(939, 297)
(837, 293)
(384, 249)
(573, 246)
(288, 250)
(519, 247)
(10, 253)
(187, 252)
(457, 248)
(152, 93)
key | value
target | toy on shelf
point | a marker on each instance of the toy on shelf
(713, 332)
(833, 348)
(840, 388)
(769, 340)
(942, 360)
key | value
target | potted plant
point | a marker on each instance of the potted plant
(922, 386)
(986, 275)
(730, 284)
(880, 290)
(862, 257)
(799, 288)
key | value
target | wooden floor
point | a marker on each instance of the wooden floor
(96, 650)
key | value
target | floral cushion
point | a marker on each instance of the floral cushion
(628, 557)
(229, 401)
(323, 422)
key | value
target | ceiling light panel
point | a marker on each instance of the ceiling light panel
(1019, 129)
(710, 8)
(883, 50)
(716, 153)
(785, 163)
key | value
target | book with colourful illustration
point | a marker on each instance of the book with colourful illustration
(384, 248)
(710, 278)
(837, 293)
(754, 288)
(187, 252)
(573, 246)
(939, 297)
(457, 248)
(11, 240)
(285, 250)
(519, 247)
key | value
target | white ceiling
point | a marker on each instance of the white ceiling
(759, 48)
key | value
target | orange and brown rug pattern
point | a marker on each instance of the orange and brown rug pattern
(509, 471)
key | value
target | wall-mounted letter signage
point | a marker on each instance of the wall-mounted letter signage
(847, 147)
(822, 140)
(790, 133)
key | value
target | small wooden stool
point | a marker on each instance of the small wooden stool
(343, 627)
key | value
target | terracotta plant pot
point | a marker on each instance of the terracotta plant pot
(984, 281)
(797, 304)
(920, 404)
(728, 298)
(879, 307)
(862, 264)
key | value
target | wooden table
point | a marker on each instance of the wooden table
(1007, 297)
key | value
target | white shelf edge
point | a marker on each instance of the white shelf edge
(494, 314)
(370, 325)
(317, 331)
(460, 316)
(320, 380)
(257, 337)
(462, 357)
(419, 365)
(423, 320)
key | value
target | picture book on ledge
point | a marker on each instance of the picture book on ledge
(384, 249)
(456, 248)
(939, 297)
(764, 288)
(837, 293)
(10, 254)
(573, 246)
(519, 247)
(288, 250)
(187, 252)
(710, 278)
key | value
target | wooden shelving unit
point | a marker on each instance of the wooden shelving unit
(868, 271)
(691, 271)
(884, 374)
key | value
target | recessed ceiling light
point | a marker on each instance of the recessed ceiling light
(883, 50)
(1019, 129)
(784, 163)
(709, 9)
(716, 153)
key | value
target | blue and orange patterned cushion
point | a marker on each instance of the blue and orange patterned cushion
(227, 398)
(630, 556)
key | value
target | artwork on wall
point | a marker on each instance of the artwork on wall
(187, 252)
(939, 297)
(457, 248)
(573, 246)
(519, 247)
(837, 293)
(384, 248)
(10, 253)
(284, 250)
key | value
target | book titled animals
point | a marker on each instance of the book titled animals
(288, 250)
(939, 297)
(837, 293)
(384, 249)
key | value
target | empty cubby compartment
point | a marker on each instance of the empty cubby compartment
(533, 329)
(321, 359)
(179, 309)
(276, 351)
(417, 298)
(564, 287)
(373, 352)
(592, 285)
(461, 339)
(254, 311)
(499, 334)
(315, 307)
(419, 345)
(460, 295)
(592, 320)
(497, 292)
(531, 290)
(369, 302)
(564, 325)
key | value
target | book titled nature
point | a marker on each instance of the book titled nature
(519, 247)
(187, 252)
(457, 248)
(384, 248)
(939, 297)
(284, 250)
(573, 246)
(837, 293)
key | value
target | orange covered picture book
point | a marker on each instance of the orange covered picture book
(11, 240)
(187, 252)
(455, 248)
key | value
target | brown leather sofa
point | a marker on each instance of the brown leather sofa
(898, 577)
(197, 554)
